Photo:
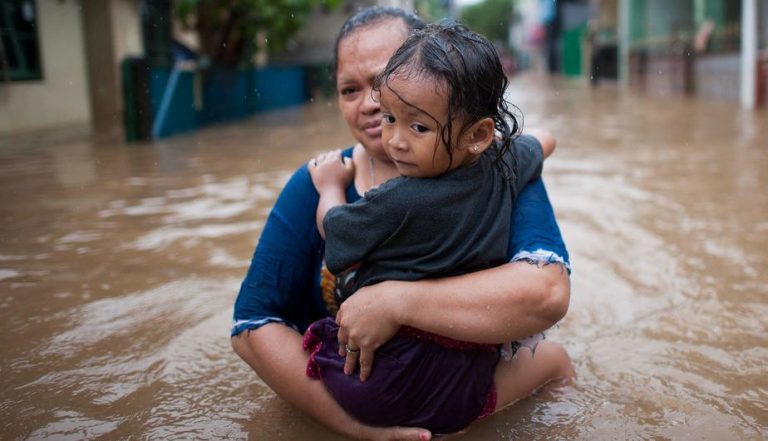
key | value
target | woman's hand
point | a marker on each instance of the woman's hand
(366, 321)
(331, 171)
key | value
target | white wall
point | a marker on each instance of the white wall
(127, 40)
(62, 96)
(126, 29)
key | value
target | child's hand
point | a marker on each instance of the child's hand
(331, 171)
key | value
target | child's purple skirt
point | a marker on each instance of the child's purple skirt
(418, 379)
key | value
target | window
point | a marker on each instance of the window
(19, 43)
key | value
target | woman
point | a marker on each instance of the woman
(281, 294)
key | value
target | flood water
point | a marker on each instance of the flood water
(119, 265)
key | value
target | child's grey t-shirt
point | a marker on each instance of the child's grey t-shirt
(415, 228)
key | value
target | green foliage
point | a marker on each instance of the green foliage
(228, 29)
(490, 18)
(431, 10)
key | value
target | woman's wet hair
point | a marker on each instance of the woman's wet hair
(467, 68)
(371, 16)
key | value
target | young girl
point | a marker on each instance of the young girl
(445, 127)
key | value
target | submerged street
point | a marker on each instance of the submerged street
(119, 265)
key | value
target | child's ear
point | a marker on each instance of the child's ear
(479, 136)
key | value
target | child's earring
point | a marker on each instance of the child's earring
(476, 148)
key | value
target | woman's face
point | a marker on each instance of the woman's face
(361, 56)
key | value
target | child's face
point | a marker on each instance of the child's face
(411, 133)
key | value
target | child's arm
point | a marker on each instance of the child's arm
(331, 175)
(547, 141)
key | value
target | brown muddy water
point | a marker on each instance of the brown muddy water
(119, 265)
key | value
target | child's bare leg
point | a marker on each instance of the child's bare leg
(523, 374)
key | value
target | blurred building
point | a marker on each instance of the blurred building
(59, 61)
(685, 47)
(707, 48)
(119, 65)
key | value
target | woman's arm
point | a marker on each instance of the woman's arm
(495, 305)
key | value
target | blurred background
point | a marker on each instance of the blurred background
(144, 142)
(144, 69)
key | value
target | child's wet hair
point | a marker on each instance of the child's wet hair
(467, 66)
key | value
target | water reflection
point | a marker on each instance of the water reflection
(119, 265)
